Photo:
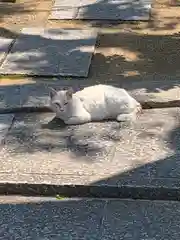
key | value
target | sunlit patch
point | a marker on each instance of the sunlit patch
(15, 80)
(130, 73)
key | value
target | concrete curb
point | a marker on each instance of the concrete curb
(95, 191)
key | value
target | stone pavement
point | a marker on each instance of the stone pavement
(101, 10)
(100, 159)
(89, 219)
(40, 156)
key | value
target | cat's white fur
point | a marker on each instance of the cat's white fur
(94, 103)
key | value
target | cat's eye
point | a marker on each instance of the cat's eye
(65, 103)
(58, 105)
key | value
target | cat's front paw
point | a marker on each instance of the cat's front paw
(76, 120)
(72, 121)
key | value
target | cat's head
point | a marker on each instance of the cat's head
(60, 100)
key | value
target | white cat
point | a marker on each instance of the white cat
(94, 103)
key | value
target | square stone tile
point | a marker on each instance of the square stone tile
(5, 45)
(144, 154)
(51, 52)
(64, 219)
(103, 10)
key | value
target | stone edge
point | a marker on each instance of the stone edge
(92, 191)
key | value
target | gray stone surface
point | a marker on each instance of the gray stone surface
(141, 220)
(5, 45)
(5, 124)
(102, 10)
(66, 219)
(49, 218)
(52, 144)
(145, 153)
(10, 97)
(39, 51)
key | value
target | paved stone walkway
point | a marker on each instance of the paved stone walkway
(104, 157)
(92, 219)
(38, 149)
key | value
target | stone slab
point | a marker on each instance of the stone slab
(51, 52)
(76, 219)
(102, 10)
(108, 158)
(50, 218)
(5, 45)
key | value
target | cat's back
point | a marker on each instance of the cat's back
(92, 92)
(96, 91)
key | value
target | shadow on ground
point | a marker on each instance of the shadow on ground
(128, 60)
(160, 173)
(117, 56)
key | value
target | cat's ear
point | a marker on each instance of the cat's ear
(69, 93)
(52, 93)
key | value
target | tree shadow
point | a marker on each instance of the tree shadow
(42, 133)
(50, 52)
(148, 63)
(119, 10)
(157, 180)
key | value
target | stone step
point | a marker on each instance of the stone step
(42, 156)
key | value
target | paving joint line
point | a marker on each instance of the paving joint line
(91, 191)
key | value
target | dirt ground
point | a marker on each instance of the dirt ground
(124, 51)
